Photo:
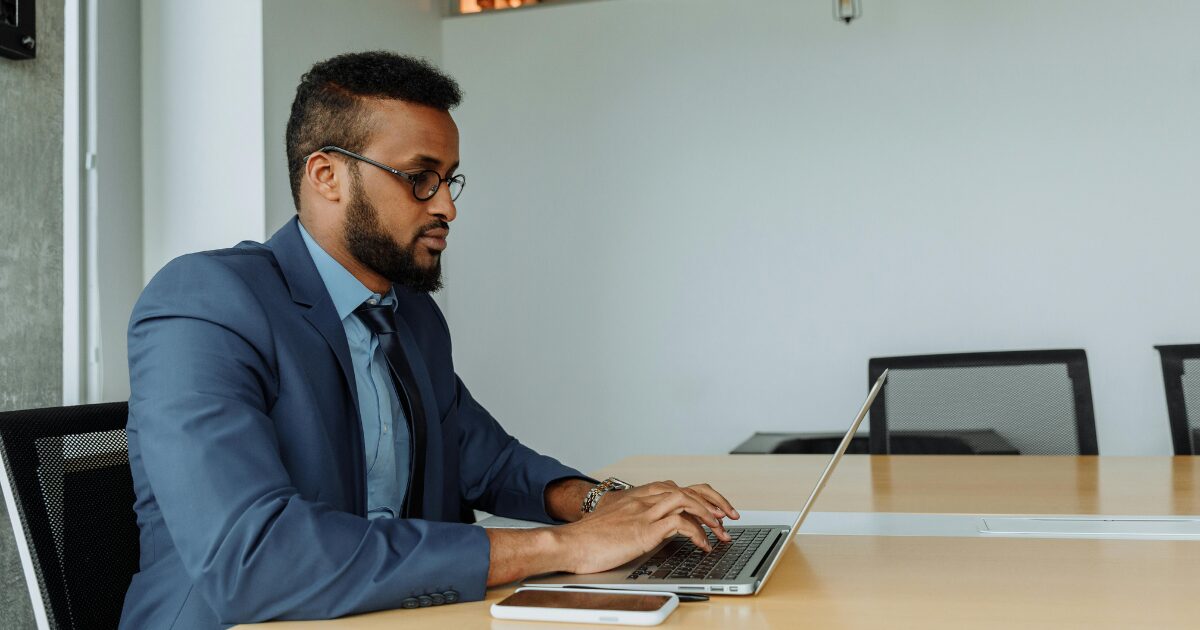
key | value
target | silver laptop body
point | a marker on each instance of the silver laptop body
(737, 568)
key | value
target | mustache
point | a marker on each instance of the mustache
(438, 224)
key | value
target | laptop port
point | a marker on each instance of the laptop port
(717, 589)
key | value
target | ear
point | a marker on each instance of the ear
(322, 175)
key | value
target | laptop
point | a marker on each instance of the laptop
(739, 567)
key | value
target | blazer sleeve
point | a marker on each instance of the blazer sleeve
(202, 378)
(499, 474)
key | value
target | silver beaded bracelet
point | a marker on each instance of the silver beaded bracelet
(593, 496)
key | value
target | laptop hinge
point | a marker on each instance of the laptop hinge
(767, 556)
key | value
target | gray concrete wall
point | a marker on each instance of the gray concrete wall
(31, 289)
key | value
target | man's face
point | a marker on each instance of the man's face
(386, 228)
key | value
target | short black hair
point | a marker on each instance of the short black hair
(329, 107)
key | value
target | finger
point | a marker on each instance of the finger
(678, 524)
(664, 486)
(716, 498)
(719, 532)
(703, 512)
(678, 501)
(704, 490)
(706, 513)
(652, 488)
(717, 512)
(658, 506)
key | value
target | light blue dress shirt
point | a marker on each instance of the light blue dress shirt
(386, 441)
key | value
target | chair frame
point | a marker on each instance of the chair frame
(1172, 357)
(19, 431)
(1074, 359)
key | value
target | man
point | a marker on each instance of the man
(300, 444)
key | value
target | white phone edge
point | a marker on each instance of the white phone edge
(585, 615)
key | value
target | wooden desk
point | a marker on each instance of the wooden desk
(904, 582)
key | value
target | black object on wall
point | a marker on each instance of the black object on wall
(18, 39)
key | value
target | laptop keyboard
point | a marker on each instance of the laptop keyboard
(682, 559)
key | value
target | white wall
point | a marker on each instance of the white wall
(299, 33)
(202, 126)
(116, 182)
(688, 220)
(218, 83)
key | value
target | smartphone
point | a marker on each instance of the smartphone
(642, 608)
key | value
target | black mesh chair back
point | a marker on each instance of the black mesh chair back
(820, 445)
(1039, 402)
(68, 470)
(929, 445)
(1181, 379)
(955, 442)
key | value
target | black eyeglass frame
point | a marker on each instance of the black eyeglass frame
(412, 179)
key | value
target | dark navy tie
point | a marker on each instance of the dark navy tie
(380, 320)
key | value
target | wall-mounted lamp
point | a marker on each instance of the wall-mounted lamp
(847, 10)
(17, 36)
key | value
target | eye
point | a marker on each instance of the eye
(431, 181)
(426, 183)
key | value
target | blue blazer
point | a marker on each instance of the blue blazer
(247, 452)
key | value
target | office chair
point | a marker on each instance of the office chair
(70, 498)
(820, 445)
(981, 442)
(1035, 402)
(1181, 380)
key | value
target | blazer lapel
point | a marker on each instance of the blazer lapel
(307, 289)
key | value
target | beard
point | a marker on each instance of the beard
(372, 246)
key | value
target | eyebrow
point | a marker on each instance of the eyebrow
(428, 161)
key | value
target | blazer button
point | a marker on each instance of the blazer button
(450, 596)
(437, 598)
(425, 601)
(410, 602)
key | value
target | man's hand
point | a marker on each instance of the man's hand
(703, 493)
(625, 525)
(629, 523)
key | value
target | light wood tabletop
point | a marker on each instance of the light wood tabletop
(928, 582)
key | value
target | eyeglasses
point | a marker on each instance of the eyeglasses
(424, 184)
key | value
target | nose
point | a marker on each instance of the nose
(441, 205)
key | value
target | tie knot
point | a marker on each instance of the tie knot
(377, 317)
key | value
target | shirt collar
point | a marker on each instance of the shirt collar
(345, 290)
